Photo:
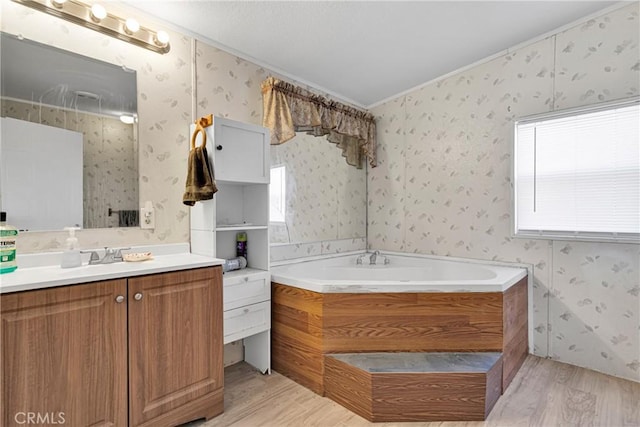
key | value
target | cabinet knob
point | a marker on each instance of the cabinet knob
(219, 147)
(119, 299)
(138, 296)
(246, 279)
(246, 310)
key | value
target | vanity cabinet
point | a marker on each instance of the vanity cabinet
(239, 153)
(143, 351)
(175, 347)
(64, 355)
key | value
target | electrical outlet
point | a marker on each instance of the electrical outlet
(147, 217)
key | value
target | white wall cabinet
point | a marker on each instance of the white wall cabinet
(239, 153)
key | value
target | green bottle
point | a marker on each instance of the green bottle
(8, 235)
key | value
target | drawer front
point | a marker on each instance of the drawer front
(246, 290)
(246, 321)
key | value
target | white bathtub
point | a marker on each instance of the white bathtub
(404, 273)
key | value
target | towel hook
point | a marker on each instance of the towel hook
(195, 134)
(201, 123)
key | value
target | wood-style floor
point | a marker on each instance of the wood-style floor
(543, 393)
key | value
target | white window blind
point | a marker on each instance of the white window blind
(577, 175)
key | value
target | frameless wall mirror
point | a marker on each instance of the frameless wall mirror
(315, 194)
(69, 149)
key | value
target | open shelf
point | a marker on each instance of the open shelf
(240, 227)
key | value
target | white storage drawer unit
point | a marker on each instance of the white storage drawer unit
(246, 290)
(246, 321)
(239, 153)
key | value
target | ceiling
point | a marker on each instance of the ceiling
(366, 51)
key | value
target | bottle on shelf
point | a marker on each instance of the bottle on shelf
(234, 264)
(241, 244)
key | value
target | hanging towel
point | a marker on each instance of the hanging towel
(128, 218)
(200, 182)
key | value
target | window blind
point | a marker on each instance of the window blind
(579, 174)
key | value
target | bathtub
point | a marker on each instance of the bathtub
(403, 273)
(414, 304)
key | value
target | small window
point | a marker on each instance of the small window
(277, 194)
(577, 174)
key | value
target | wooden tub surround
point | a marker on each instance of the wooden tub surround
(308, 327)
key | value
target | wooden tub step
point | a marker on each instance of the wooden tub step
(415, 386)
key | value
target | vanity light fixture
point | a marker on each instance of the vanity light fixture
(97, 18)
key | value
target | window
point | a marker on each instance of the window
(577, 174)
(277, 195)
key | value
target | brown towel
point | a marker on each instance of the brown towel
(200, 182)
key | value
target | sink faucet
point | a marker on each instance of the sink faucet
(111, 255)
(373, 257)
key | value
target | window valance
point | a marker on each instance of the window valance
(289, 109)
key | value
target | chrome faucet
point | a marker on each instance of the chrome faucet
(359, 259)
(373, 257)
(111, 256)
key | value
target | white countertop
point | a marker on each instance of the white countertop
(40, 277)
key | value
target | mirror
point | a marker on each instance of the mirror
(315, 194)
(50, 97)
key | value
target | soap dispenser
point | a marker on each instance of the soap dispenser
(71, 255)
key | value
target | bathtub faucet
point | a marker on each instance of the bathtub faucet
(373, 257)
(359, 259)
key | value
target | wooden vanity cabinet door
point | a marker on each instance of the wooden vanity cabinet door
(175, 347)
(64, 355)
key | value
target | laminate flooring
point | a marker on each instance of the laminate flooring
(544, 393)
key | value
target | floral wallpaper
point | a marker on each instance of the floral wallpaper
(110, 151)
(164, 108)
(226, 86)
(443, 185)
(325, 196)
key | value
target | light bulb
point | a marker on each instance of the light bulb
(161, 38)
(126, 119)
(98, 13)
(131, 26)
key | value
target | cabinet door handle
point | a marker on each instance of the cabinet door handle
(138, 296)
(119, 299)
(219, 147)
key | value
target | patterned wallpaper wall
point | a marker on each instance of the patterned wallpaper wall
(443, 185)
(226, 86)
(325, 196)
(165, 111)
(110, 151)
